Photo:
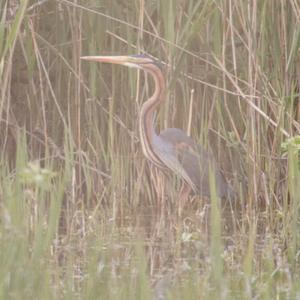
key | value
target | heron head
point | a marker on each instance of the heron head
(139, 61)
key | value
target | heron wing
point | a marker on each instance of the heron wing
(191, 158)
(165, 151)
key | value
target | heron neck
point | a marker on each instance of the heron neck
(150, 106)
(147, 129)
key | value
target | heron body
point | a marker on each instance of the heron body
(196, 162)
(172, 148)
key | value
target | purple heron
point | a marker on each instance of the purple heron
(172, 148)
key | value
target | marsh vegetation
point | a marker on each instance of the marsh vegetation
(82, 213)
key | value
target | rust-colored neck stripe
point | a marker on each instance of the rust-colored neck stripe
(147, 130)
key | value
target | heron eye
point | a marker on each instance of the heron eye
(140, 56)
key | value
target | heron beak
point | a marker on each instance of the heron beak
(120, 60)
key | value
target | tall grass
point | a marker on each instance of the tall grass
(83, 215)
